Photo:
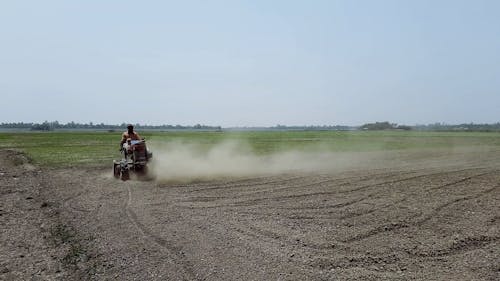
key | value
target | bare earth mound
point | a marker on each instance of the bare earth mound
(433, 216)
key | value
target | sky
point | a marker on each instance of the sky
(250, 63)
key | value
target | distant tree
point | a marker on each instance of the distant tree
(379, 126)
(45, 126)
(404, 127)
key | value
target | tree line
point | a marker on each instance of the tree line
(495, 127)
(50, 126)
(54, 125)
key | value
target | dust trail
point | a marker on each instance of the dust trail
(181, 162)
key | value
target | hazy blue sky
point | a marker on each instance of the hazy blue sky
(250, 62)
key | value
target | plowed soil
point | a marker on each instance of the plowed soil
(434, 216)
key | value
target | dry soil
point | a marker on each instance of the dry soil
(433, 216)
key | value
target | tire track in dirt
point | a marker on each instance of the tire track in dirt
(250, 201)
(371, 195)
(67, 202)
(274, 238)
(339, 182)
(348, 262)
(406, 179)
(263, 235)
(454, 201)
(463, 180)
(406, 224)
(334, 206)
(249, 192)
(260, 233)
(466, 244)
(362, 213)
(379, 229)
(214, 198)
(254, 201)
(494, 220)
(461, 246)
(275, 183)
(180, 257)
(248, 183)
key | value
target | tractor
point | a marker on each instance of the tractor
(135, 157)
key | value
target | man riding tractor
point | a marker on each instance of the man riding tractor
(135, 155)
(128, 137)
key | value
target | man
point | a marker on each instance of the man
(129, 136)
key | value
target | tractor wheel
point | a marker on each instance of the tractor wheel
(125, 175)
(141, 170)
(116, 171)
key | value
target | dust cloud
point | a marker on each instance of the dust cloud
(183, 162)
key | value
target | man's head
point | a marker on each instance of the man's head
(130, 128)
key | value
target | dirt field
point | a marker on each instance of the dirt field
(426, 216)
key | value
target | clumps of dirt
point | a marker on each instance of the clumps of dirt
(19, 159)
(75, 251)
(64, 236)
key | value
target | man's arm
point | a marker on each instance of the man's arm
(124, 139)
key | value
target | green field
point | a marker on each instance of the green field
(64, 149)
